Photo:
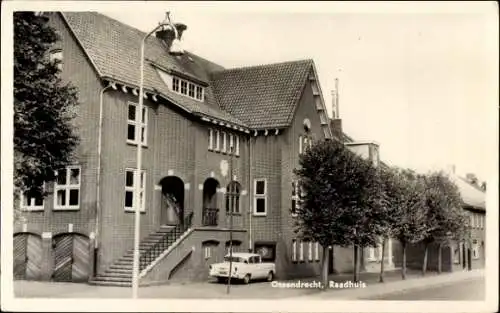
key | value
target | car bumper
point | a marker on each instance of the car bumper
(225, 275)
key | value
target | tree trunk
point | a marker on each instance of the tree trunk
(381, 278)
(324, 272)
(403, 267)
(356, 263)
(424, 265)
(440, 257)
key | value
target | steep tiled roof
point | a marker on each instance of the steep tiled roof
(262, 96)
(471, 196)
(114, 49)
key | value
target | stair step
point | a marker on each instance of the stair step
(110, 283)
(126, 275)
(119, 270)
(112, 278)
(121, 266)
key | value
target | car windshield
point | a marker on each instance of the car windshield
(235, 259)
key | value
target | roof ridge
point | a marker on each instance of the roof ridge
(263, 65)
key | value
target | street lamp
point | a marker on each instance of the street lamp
(175, 49)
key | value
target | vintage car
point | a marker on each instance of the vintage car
(245, 267)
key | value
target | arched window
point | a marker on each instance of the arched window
(233, 197)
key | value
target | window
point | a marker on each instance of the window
(231, 143)
(210, 139)
(301, 252)
(217, 141)
(456, 254)
(137, 124)
(191, 90)
(235, 246)
(67, 188)
(175, 84)
(199, 93)
(300, 145)
(56, 56)
(295, 198)
(31, 203)
(131, 193)
(260, 197)
(316, 251)
(224, 146)
(310, 252)
(294, 250)
(267, 251)
(237, 153)
(371, 254)
(475, 249)
(233, 193)
(208, 252)
(184, 87)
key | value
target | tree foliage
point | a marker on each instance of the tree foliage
(337, 203)
(44, 106)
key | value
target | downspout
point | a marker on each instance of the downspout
(98, 177)
(250, 195)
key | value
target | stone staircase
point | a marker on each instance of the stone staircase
(120, 272)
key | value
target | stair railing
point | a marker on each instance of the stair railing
(168, 239)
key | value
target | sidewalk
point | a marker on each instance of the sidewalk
(256, 290)
(395, 286)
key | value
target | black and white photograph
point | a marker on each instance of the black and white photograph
(249, 156)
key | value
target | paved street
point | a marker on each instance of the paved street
(264, 290)
(467, 290)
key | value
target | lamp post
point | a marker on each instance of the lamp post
(175, 49)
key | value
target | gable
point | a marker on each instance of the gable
(262, 96)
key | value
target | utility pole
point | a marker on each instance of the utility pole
(230, 194)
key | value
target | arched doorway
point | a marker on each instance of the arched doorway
(27, 256)
(233, 197)
(172, 201)
(72, 257)
(210, 209)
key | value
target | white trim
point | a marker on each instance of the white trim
(259, 196)
(31, 207)
(316, 251)
(310, 252)
(294, 250)
(224, 142)
(67, 188)
(217, 140)
(210, 139)
(301, 251)
(300, 145)
(132, 189)
(138, 125)
(237, 152)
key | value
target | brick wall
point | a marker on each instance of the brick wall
(78, 70)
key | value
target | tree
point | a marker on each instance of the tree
(444, 215)
(43, 106)
(335, 192)
(390, 213)
(411, 226)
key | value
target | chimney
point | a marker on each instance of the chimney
(336, 122)
(336, 126)
(167, 35)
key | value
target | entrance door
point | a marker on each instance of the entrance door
(172, 201)
(72, 258)
(27, 256)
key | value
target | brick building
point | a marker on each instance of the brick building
(200, 122)
(465, 255)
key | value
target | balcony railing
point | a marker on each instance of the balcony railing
(210, 217)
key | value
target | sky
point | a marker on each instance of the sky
(420, 81)
(422, 85)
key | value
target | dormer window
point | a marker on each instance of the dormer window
(182, 86)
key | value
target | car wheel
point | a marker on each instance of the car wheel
(221, 279)
(246, 279)
(270, 276)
